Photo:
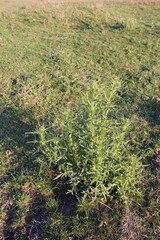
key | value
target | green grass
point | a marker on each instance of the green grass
(52, 61)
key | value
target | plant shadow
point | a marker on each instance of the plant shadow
(150, 111)
(13, 135)
(13, 129)
(83, 25)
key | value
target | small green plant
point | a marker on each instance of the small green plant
(89, 146)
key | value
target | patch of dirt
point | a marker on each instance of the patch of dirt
(6, 231)
(35, 221)
(68, 206)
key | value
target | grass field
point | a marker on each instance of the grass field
(79, 120)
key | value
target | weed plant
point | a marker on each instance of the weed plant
(90, 147)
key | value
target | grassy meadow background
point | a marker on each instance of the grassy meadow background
(79, 120)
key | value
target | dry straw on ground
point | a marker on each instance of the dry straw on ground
(34, 3)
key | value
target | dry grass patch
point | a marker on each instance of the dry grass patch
(57, 3)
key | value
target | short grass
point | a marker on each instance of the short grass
(49, 57)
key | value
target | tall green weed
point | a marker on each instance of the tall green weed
(90, 146)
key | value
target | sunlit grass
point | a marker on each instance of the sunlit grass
(53, 57)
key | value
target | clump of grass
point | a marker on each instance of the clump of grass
(127, 23)
(131, 23)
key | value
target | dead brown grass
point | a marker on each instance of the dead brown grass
(131, 226)
(42, 3)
